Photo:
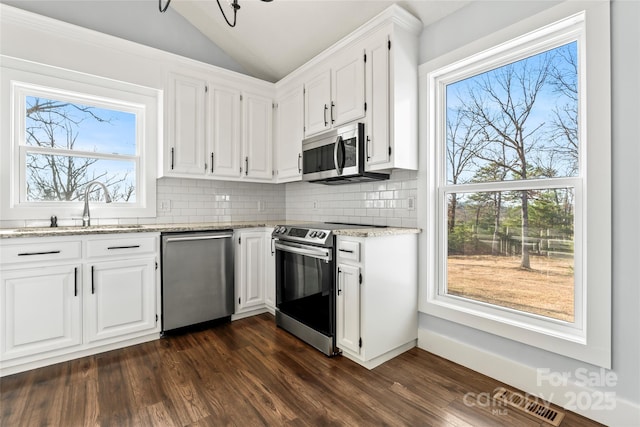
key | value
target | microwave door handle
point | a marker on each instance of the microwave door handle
(338, 144)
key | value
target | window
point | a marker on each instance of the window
(511, 170)
(68, 144)
(510, 145)
(67, 133)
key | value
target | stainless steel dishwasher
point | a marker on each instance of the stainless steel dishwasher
(197, 278)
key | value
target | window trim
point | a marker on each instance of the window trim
(590, 339)
(20, 79)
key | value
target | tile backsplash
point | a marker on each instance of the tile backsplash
(192, 200)
(391, 202)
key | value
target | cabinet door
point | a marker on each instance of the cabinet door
(290, 123)
(378, 99)
(348, 88)
(348, 308)
(270, 272)
(224, 142)
(252, 270)
(186, 126)
(41, 310)
(258, 114)
(317, 102)
(120, 298)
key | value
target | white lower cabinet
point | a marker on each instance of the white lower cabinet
(68, 297)
(348, 308)
(41, 310)
(377, 297)
(120, 298)
(270, 278)
(255, 289)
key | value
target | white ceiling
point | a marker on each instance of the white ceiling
(272, 39)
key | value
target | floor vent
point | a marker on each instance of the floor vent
(537, 408)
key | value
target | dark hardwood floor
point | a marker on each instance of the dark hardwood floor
(250, 373)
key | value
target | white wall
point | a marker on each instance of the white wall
(482, 18)
(167, 31)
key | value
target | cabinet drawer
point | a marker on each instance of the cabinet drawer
(349, 250)
(41, 251)
(122, 246)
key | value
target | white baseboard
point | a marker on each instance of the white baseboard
(586, 401)
(249, 313)
(377, 361)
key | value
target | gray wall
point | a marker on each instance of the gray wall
(135, 20)
(482, 18)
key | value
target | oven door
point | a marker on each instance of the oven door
(305, 283)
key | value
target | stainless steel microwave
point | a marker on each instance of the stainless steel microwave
(337, 157)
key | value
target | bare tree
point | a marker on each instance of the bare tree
(564, 79)
(501, 102)
(462, 143)
(54, 124)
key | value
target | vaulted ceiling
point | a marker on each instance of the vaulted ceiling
(270, 40)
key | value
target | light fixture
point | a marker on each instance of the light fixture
(233, 3)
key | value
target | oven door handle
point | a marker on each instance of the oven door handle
(313, 252)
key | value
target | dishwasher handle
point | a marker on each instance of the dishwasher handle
(191, 238)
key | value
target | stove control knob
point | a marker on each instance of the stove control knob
(313, 234)
(321, 235)
(282, 230)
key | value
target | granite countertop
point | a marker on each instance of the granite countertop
(376, 231)
(7, 233)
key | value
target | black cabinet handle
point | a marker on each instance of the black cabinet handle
(300, 163)
(93, 287)
(75, 282)
(211, 162)
(339, 273)
(346, 250)
(368, 141)
(246, 166)
(38, 253)
(332, 107)
(172, 158)
(123, 247)
(325, 115)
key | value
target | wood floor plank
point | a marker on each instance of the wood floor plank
(250, 373)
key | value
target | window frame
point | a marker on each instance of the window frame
(588, 337)
(19, 80)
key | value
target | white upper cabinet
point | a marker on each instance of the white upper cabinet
(392, 94)
(289, 134)
(378, 147)
(335, 96)
(216, 129)
(317, 101)
(257, 148)
(347, 90)
(369, 76)
(224, 130)
(186, 126)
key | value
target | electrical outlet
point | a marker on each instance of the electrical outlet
(411, 203)
(315, 204)
(165, 205)
(262, 206)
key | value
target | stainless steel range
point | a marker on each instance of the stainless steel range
(305, 282)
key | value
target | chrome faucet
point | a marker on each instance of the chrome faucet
(86, 218)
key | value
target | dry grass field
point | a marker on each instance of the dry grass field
(546, 289)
